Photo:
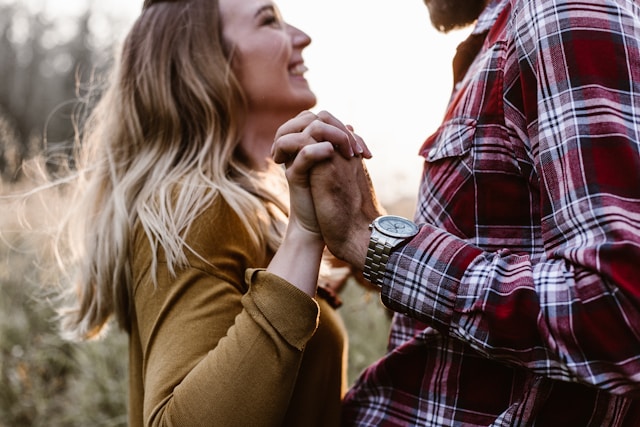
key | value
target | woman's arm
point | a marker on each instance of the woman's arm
(215, 353)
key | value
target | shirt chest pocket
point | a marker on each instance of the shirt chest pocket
(472, 179)
(447, 186)
(452, 140)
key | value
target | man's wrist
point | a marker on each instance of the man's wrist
(387, 233)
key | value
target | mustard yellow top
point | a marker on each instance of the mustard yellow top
(224, 344)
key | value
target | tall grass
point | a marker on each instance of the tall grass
(46, 381)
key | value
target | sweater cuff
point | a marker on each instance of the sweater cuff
(275, 303)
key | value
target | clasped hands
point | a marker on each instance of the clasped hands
(330, 189)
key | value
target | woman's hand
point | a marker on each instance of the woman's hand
(308, 128)
(303, 142)
(302, 213)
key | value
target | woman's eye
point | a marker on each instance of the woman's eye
(271, 21)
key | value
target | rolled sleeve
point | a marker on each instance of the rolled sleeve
(284, 307)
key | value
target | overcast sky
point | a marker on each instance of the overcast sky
(383, 68)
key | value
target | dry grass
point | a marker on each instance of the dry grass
(45, 380)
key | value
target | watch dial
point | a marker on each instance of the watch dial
(397, 226)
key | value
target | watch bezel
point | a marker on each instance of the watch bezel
(412, 228)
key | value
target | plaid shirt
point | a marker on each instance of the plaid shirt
(522, 291)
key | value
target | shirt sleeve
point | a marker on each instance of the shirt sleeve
(572, 314)
(215, 353)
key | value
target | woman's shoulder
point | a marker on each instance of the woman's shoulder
(216, 242)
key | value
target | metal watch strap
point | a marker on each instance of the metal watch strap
(376, 262)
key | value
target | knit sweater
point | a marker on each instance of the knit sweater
(224, 343)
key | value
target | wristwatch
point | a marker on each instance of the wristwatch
(387, 232)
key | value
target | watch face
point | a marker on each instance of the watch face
(396, 226)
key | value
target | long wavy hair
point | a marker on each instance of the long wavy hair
(160, 145)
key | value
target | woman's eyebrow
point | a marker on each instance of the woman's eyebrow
(268, 7)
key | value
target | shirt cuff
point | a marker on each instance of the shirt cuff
(422, 278)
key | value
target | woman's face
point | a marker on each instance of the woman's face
(267, 56)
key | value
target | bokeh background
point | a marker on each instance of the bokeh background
(379, 66)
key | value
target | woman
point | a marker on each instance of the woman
(180, 223)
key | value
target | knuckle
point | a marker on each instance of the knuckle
(324, 115)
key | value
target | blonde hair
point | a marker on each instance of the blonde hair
(160, 145)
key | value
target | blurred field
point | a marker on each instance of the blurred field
(45, 381)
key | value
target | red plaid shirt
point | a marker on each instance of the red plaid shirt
(522, 291)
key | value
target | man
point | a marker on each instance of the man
(518, 293)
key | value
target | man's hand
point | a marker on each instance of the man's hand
(345, 204)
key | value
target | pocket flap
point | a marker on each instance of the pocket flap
(452, 139)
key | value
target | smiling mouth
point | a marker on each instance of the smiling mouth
(298, 69)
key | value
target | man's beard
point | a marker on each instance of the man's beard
(447, 15)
